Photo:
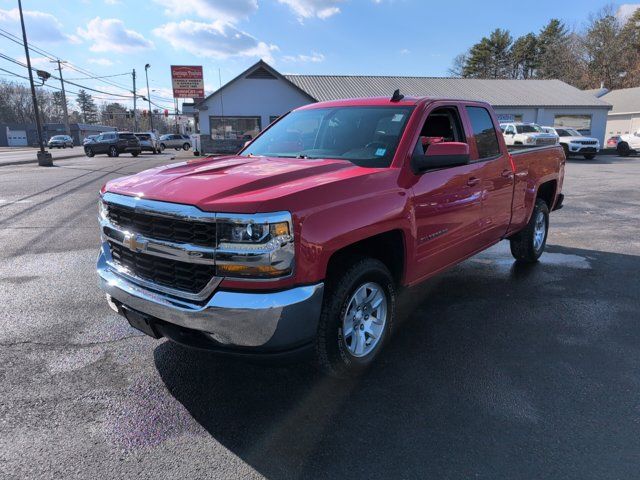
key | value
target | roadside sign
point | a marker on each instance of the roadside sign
(187, 81)
(506, 117)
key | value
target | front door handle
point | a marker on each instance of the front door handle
(507, 173)
(473, 181)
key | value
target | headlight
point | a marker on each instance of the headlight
(259, 246)
(103, 211)
(530, 140)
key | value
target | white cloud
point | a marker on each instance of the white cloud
(305, 9)
(214, 40)
(41, 63)
(626, 10)
(314, 57)
(104, 62)
(228, 11)
(405, 51)
(110, 35)
(112, 2)
(41, 27)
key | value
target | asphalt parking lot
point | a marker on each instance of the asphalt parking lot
(498, 371)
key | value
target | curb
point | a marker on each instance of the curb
(66, 157)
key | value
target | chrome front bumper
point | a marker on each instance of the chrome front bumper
(272, 320)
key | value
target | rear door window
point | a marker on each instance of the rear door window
(484, 132)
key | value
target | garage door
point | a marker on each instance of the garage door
(17, 138)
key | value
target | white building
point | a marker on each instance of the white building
(624, 117)
(248, 103)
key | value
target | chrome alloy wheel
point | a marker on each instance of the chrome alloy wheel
(539, 231)
(365, 319)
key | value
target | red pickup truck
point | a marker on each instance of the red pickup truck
(299, 243)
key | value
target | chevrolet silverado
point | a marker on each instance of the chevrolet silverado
(299, 244)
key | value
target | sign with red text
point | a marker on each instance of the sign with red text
(187, 81)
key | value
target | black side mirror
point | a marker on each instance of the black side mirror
(441, 155)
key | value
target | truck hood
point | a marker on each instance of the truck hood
(538, 135)
(578, 139)
(234, 184)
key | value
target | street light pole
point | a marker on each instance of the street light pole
(146, 68)
(44, 157)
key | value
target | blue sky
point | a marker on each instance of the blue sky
(385, 37)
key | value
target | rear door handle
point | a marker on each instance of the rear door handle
(473, 181)
(507, 173)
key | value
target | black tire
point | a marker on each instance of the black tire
(135, 154)
(332, 354)
(64, 146)
(186, 146)
(154, 151)
(623, 149)
(566, 150)
(88, 151)
(113, 151)
(162, 147)
(589, 156)
(522, 243)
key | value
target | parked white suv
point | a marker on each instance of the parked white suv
(574, 142)
(175, 141)
(628, 144)
(526, 135)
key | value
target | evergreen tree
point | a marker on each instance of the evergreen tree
(553, 42)
(490, 57)
(524, 56)
(87, 106)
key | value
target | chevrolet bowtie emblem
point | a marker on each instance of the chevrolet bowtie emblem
(134, 243)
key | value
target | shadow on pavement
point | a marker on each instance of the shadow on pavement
(499, 371)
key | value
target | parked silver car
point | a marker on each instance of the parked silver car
(60, 141)
(178, 142)
(149, 142)
(89, 139)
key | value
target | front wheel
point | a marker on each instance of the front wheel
(89, 151)
(357, 316)
(528, 244)
(113, 152)
(186, 146)
(135, 154)
(162, 147)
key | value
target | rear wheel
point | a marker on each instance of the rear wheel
(135, 154)
(113, 152)
(357, 317)
(623, 149)
(162, 147)
(89, 151)
(528, 244)
(589, 156)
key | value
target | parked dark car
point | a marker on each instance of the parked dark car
(60, 141)
(149, 142)
(175, 141)
(113, 144)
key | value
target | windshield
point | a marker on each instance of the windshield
(366, 136)
(58, 137)
(528, 129)
(143, 136)
(568, 132)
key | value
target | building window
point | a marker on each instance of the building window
(509, 117)
(582, 123)
(234, 128)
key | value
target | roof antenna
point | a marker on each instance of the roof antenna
(397, 96)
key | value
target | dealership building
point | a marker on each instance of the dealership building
(241, 108)
(624, 117)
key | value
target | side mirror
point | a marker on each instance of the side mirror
(441, 155)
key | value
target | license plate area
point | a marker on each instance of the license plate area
(140, 322)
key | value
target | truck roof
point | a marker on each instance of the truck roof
(384, 101)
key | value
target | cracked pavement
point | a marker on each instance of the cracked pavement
(496, 371)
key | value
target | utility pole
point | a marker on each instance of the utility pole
(176, 102)
(146, 68)
(135, 95)
(44, 157)
(64, 98)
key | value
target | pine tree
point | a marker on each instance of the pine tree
(87, 106)
(553, 41)
(524, 56)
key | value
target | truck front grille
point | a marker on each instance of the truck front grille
(163, 228)
(587, 142)
(187, 277)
